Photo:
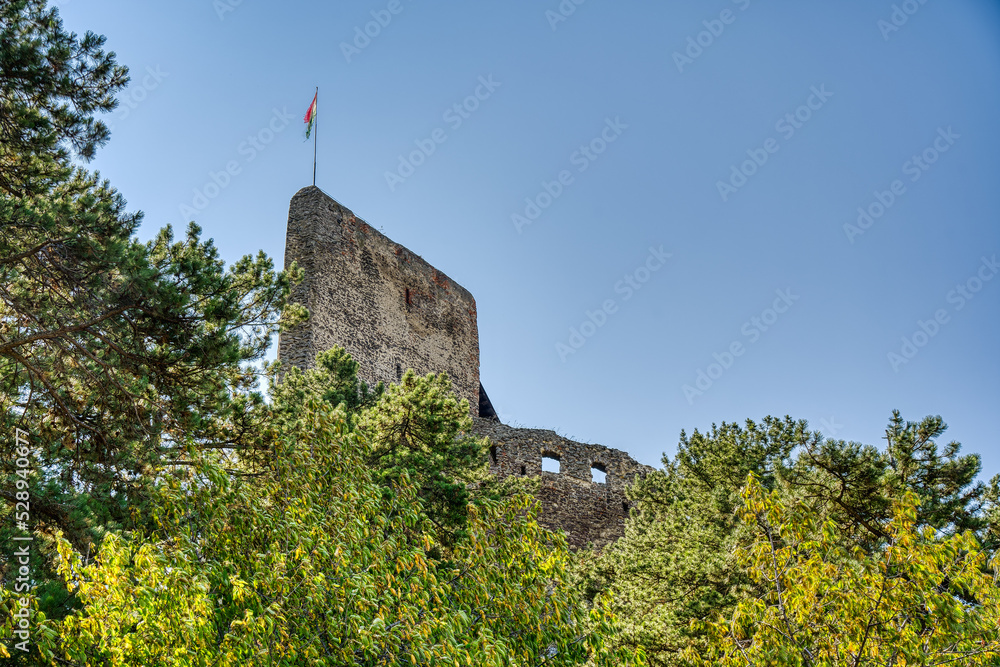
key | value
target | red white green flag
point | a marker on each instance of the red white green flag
(310, 118)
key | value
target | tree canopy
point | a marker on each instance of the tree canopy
(675, 570)
(310, 562)
(52, 83)
(822, 603)
(116, 356)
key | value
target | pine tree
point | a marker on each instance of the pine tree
(418, 431)
(52, 82)
(822, 602)
(674, 570)
(116, 356)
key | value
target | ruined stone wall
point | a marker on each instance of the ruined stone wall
(385, 305)
(589, 512)
(391, 311)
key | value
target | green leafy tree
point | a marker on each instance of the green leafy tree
(311, 563)
(417, 429)
(420, 431)
(116, 356)
(824, 604)
(675, 563)
(672, 565)
(119, 356)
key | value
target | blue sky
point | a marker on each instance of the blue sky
(686, 177)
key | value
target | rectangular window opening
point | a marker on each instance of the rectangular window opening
(597, 474)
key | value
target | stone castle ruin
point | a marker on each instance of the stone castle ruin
(392, 311)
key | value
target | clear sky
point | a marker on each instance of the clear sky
(684, 176)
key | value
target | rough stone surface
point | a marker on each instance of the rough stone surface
(385, 305)
(392, 311)
(589, 512)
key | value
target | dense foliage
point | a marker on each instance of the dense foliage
(179, 519)
(52, 82)
(312, 564)
(924, 598)
(116, 356)
(676, 569)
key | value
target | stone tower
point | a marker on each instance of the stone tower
(385, 305)
(392, 311)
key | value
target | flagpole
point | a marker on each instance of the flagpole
(315, 135)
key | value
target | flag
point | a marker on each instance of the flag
(310, 118)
